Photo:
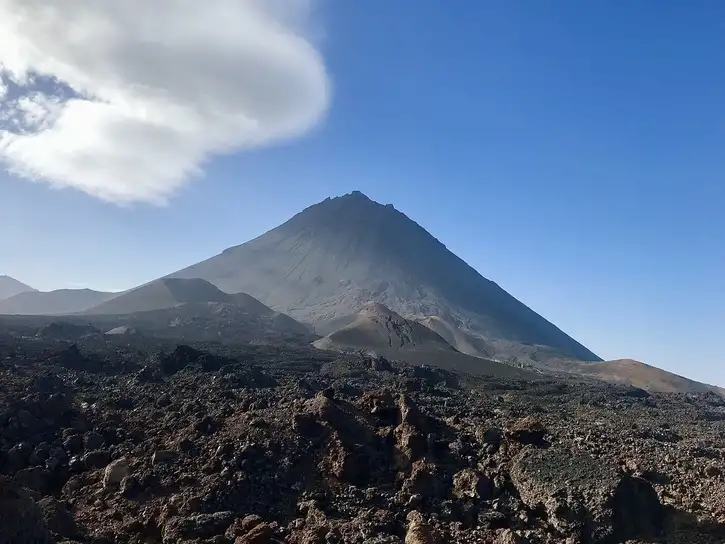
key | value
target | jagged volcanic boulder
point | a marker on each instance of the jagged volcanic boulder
(586, 496)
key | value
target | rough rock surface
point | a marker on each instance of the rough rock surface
(21, 519)
(588, 497)
(419, 532)
(121, 442)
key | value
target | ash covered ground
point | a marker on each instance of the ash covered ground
(142, 441)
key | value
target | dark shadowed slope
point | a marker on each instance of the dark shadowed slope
(334, 257)
(60, 302)
(10, 287)
(162, 294)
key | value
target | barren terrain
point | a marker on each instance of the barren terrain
(143, 440)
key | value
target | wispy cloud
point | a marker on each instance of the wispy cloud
(153, 88)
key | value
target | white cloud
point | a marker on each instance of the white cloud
(156, 88)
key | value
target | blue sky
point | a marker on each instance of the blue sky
(573, 152)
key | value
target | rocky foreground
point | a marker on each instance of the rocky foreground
(263, 445)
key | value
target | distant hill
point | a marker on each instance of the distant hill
(190, 302)
(60, 302)
(331, 259)
(10, 287)
(161, 294)
(379, 329)
(644, 376)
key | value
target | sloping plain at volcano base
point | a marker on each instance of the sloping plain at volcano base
(380, 331)
(644, 376)
(331, 259)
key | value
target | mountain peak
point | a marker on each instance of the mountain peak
(362, 198)
(356, 194)
(353, 223)
(353, 199)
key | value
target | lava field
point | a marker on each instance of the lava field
(152, 442)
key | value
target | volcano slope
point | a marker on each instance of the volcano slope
(158, 443)
(10, 287)
(458, 338)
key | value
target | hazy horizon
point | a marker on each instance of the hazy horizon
(571, 154)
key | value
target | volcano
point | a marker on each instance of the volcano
(332, 259)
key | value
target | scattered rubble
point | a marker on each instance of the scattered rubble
(126, 443)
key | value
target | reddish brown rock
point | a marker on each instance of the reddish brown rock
(418, 531)
(471, 484)
(410, 444)
(424, 480)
